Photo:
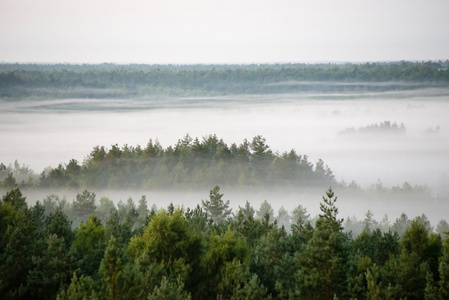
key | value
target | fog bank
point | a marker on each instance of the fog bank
(42, 133)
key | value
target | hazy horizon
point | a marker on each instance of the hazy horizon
(209, 32)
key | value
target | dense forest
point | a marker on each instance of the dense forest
(125, 81)
(92, 249)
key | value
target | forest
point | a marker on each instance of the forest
(91, 249)
(18, 81)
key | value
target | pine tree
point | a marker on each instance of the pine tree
(80, 289)
(143, 211)
(300, 215)
(169, 291)
(323, 263)
(52, 270)
(431, 292)
(216, 207)
(84, 204)
(111, 269)
(369, 222)
(283, 218)
(443, 270)
(265, 209)
(372, 277)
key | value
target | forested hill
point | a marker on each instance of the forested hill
(120, 81)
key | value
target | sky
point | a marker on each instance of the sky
(222, 31)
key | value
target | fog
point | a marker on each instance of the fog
(42, 133)
(349, 205)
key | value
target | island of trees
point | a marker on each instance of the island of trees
(191, 163)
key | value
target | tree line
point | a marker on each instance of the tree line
(96, 250)
(190, 163)
(119, 81)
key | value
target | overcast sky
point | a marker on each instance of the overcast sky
(227, 31)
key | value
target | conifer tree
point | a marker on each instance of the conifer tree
(431, 291)
(84, 204)
(443, 270)
(216, 207)
(323, 263)
(300, 215)
(52, 270)
(265, 209)
(111, 269)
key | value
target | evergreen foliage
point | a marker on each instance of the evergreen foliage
(183, 254)
(191, 163)
(216, 207)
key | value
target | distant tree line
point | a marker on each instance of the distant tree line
(385, 127)
(91, 249)
(119, 81)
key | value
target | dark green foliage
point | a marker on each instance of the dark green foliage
(16, 256)
(272, 258)
(377, 246)
(169, 241)
(373, 285)
(427, 247)
(443, 270)
(407, 276)
(89, 245)
(324, 261)
(252, 290)
(58, 223)
(52, 270)
(169, 291)
(20, 239)
(15, 199)
(79, 289)
(182, 254)
(111, 271)
(226, 264)
(431, 291)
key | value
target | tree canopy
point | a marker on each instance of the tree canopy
(185, 254)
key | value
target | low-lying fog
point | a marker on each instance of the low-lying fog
(349, 205)
(42, 133)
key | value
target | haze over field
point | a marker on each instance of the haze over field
(45, 133)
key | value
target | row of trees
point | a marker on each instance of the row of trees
(98, 81)
(189, 163)
(384, 128)
(209, 253)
